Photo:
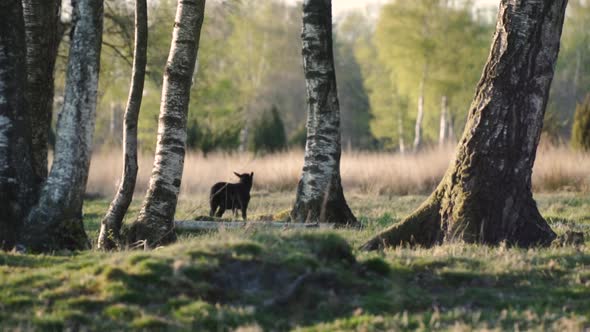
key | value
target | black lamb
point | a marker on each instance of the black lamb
(234, 196)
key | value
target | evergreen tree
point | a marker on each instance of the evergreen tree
(269, 133)
(581, 128)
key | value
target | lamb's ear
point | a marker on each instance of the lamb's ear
(238, 175)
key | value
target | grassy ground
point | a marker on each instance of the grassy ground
(306, 280)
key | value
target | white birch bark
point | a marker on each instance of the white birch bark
(443, 134)
(420, 114)
(56, 221)
(319, 195)
(155, 223)
(400, 126)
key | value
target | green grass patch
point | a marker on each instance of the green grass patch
(233, 279)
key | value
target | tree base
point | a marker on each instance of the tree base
(426, 227)
(67, 235)
(334, 211)
(108, 237)
(149, 232)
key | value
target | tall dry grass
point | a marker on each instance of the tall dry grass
(557, 169)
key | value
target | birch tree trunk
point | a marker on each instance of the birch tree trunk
(109, 236)
(443, 134)
(56, 221)
(42, 37)
(16, 194)
(420, 115)
(400, 128)
(319, 195)
(485, 196)
(576, 79)
(156, 218)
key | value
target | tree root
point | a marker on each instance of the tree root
(423, 228)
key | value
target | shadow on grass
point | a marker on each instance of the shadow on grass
(280, 281)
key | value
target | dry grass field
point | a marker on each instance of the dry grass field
(557, 169)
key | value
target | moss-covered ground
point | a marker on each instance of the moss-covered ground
(255, 280)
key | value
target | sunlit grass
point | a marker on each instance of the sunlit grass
(223, 281)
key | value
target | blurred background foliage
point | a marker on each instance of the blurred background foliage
(249, 89)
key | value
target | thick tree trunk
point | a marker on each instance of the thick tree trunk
(155, 223)
(41, 26)
(485, 196)
(420, 115)
(16, 185)
(109, 236)
(319, 195)
(56, 221)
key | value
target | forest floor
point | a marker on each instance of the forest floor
(310, 280)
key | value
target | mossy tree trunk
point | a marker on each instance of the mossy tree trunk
(42, 39)
(16, 183)
(109, 236)
(56, 221)
(485, 196)
(319, 195)
(155, 223)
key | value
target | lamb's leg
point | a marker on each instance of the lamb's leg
(220, 211)
(245, 208)
(213, 208)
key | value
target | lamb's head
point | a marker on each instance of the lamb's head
(246, 178)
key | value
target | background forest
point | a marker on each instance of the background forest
(249, 93)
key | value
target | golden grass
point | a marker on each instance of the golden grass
(557, 169)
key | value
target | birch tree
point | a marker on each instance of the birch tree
(42, 39)
(56, 221)
(430, 49)
(319, 194)
(15, 165)
(485, 196)
(154, 224)
(109, 236)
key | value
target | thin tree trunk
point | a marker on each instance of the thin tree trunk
(451, 137)
(155, 223)
(244, 134)
(576, 78)
(400, 128)
(16, 194)
(485, 196)
(42, 37)
(319, 195)
(109, 236)
(56, 221)
(443, 134)
(420, 115)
